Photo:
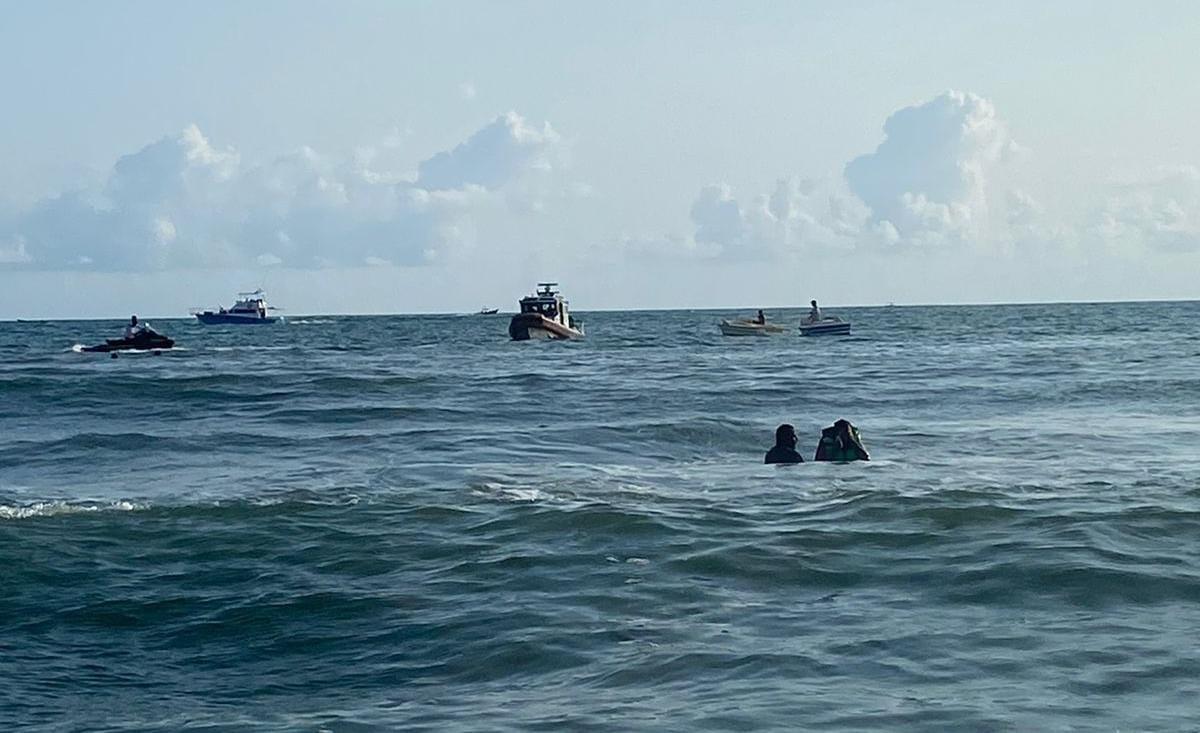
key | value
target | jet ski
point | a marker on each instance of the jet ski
(145, 340)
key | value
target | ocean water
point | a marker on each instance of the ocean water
(412, 523)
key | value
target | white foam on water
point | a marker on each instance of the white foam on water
(493, 490)
(60, 508)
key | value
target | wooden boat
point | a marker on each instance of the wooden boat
(741, 327)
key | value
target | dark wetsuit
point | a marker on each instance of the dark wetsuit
(783, 454)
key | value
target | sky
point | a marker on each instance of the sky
(388, 157)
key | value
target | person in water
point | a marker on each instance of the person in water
(814, 313)
(785, 446)
(761, 318)
(841, 443)
(134, 328)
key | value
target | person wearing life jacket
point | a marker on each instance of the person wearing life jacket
(841, 443)
(785, 446)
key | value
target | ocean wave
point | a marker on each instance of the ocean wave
(464, 532)
(59, 508)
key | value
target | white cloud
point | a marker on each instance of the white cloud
(929, 176)
(164, 230)
(1156, 212)
(466, 91)
(925, 185)
(799, 216)
(494, 155)
(182, 202)
(718, 218)
(1031, 227)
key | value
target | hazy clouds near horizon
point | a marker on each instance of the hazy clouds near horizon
(394, 157)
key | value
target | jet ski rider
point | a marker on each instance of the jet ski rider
(134, 329)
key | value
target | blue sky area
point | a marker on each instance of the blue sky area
(401, 157)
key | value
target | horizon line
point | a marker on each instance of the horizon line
(981, 304)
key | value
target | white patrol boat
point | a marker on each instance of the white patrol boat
(544, 315)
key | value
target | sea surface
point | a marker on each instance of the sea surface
(412, 523)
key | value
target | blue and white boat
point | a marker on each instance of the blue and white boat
(249, 308)
(827, 326)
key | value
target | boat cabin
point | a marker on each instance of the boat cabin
(547, 302)
(254, 303)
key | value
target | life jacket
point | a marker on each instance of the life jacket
(841, 442)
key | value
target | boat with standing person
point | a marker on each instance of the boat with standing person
(818, 324)
(544, 315)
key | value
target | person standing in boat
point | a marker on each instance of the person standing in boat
(785, 446)
(761, 318)
(814, 313)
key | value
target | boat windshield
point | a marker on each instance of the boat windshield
(538, 305)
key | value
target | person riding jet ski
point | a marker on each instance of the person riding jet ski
(134, 328)
(137, 336)
(841, 442)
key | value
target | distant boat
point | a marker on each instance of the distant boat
(742, 327)
(488, 311)
(249, 308)
(828, 326)
(544, 316)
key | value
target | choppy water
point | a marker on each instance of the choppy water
(412, 523)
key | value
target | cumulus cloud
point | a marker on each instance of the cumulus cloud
(798, 216)
(492, 156)
(1031, 227)
(183, 202)
(928, 178)
(1156, 212)
(926, 184)
(718, 218)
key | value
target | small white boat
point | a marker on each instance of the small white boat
(749, 328)
(828, 326)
